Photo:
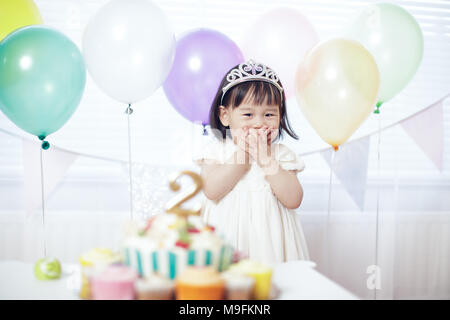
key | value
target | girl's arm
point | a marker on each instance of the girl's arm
(219, 179)
(284, 184)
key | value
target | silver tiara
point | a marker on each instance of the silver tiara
(251, 71)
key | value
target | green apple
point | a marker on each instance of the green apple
(47, 269)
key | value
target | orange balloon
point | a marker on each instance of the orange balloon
(336, 88)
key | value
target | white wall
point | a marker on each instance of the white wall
(88, 207)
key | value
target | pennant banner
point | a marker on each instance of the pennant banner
(55, 165)
(350, 165)
(426, 128)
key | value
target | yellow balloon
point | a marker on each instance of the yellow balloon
(336, 87)
(15, 14)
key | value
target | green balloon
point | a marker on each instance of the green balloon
(394, 38)
(42, 79)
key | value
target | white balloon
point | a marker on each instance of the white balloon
(129, 47)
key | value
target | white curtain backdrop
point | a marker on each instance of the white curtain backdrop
(406, 210)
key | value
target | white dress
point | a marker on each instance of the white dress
(250, 216)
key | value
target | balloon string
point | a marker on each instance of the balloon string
(129, 111)
(378, 204)
(327, 237)
(43, 203)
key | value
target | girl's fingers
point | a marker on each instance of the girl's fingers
(269, 137)
(263, 137)
(241, 140)
(273, 133)
(245, 141)
(252, 151)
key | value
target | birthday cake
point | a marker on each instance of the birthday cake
(166, 244)
(174, 255)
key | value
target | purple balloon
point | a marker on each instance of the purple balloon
(202, 58)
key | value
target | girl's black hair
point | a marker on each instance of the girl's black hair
(258, 92)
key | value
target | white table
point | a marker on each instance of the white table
(295, 280)
(298, 280)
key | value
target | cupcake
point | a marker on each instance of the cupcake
(155, 287)
(94, 261)
(238, 286)
(200, 283)
(261, 273)
(114, 283)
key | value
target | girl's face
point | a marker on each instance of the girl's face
(252, 117)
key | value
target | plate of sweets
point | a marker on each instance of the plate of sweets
(175, 255)
(244, 280)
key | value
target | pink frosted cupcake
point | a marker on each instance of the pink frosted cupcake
(114, 283)
(94, 261)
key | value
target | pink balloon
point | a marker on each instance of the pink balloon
(280, 39)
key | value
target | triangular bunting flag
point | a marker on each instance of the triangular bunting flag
(350, 167)
(55, 165)
(427, 130)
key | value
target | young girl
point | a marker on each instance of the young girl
(250, 181)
